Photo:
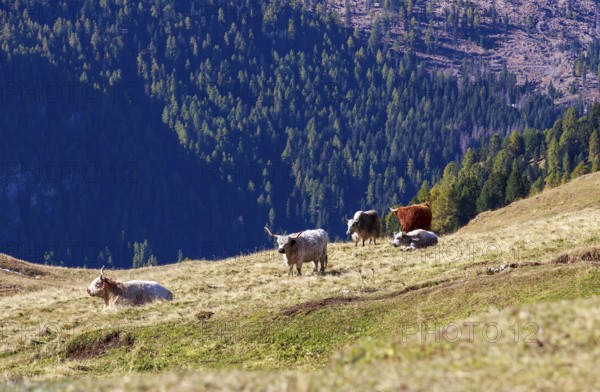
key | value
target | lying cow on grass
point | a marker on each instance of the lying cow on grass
(131, 293)
(299, 248)
(415, 239)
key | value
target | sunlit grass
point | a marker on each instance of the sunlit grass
(231, 315)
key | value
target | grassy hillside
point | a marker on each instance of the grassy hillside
(380, 318)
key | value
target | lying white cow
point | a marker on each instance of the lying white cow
(415, 239)
(133, 292)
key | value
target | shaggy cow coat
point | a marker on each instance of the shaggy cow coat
(414, 217)
(364, 226)
(131, 293)
(415, 239)
(299, 248)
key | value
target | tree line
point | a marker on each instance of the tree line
(514, 167)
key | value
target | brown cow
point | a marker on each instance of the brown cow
(415, 217)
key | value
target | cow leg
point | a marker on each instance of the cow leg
(356, 243)
(374, 241)
(290, 269)
(315, 265)
(363, 242)
(323, 264)
(299, 267)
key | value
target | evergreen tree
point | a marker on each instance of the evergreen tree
(516, 144)
(391, 225)
(553, 164)
(142, 255)
(516, 185)
(423, 193)
(493, 193)
(594, 151)
(445, 204)
(467, 190)
(580, 170)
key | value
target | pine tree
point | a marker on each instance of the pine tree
(445, 205)
(466, 168)
(493, 147)
(467, 191)
(553, 165)
(516, 144)
(516, 185)
(580, 170)
(594, 151)
(493, 193)
(142, 255)
(467, 188)
(566, 167)
(532, 140)
(569, 123)
(391, 225)
(423, 193)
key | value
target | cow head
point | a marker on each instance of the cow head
(352, 225)
(401, 239)
(285, 243)
(99, 285)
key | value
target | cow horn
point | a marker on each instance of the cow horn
(394, 209)
(294, 236)
(271, 234)
(346, 219)
(102, 274)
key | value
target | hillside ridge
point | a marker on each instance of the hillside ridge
(245, 313)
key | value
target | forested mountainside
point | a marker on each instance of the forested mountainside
(143, 132)
(542, 41)
(516, 167)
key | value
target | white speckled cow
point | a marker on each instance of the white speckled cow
(415, 239)
(131, 293)
(299, 248)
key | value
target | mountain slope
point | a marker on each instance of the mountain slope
(361, 318)
(539, 41)
(231, 114)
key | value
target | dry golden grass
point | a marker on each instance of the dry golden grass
(560, 356)
(47, 309)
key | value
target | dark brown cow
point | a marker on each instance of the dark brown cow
(365, 225)
(415, 217)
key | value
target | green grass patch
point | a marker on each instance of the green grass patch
(271, 340)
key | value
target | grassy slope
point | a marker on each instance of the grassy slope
(357, 324)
